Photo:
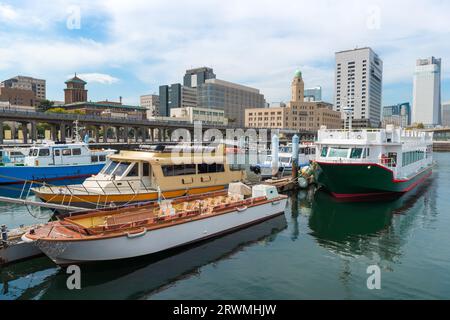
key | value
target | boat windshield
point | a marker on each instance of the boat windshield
(33, 152)
(336, 152)
(285, 160)
(121, 168)
(110, 168)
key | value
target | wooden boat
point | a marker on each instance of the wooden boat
(143, 176)
(141, 230)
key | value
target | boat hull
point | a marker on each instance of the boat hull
(93, 201)
(71, 251)
(365, 181)
(20, 174)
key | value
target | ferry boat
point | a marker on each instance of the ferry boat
(143, 176)
(307, 153)
(363, 164)
(53, 162)
(142, 230)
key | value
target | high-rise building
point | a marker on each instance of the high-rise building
(75, 91)
(196, 77)
(151, 103)
(38, 86)
(427, 92)
(297, 115)
(446, 114)
(230, 97)
(175, 96)
(358, 86)
(398, 115)
(313, 94)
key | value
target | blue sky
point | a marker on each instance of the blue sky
(130, 48)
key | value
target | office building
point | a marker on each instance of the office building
(38, 86)
(176, 96)
(151, 103)
(230, 97)
(313, 94)
(358, 86)
(297, 115)
(196, 77)
(195, 114)
(427, 92)
(446, 114)
(398, 115)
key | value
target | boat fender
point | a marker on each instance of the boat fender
(137, 235)
(241, 209)
(302, 182)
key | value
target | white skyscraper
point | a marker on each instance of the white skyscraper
(358, 86)
(427, 92)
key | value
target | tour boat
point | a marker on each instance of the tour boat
(306, 155)
(141, 176)
(366, 163)
(52, 162)
(113, 234)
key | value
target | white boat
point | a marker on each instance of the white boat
(373, 163)
(142, 230)
(307, 153)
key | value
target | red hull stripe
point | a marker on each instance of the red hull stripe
(379, 194)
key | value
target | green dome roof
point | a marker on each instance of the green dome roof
(298, 74)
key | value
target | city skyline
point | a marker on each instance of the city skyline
(127, 51)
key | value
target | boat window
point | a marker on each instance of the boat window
(110, 168)
(102, 158)
(66, 152)
(338, 152)
(94, 158)
(324, 152)
(134, 172)
(285, 160)
(57, 152)
(167, 171)
(121, 168)
(210, 168)
(44, 152)
(189, 169)
(146, 169)
(356, 153)
(76, 152)
(33, 152)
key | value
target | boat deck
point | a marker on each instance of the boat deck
(137, 219)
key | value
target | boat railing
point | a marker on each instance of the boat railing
(99, 188)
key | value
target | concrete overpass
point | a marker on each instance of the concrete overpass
(62, 125)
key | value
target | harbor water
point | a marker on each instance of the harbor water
(319, 249)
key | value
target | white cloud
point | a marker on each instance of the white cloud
(96, 77)
(7, 12)
(255, 42)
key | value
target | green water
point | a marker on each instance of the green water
(320, 249)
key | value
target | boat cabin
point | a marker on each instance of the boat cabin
(64, 155)
(141, 171)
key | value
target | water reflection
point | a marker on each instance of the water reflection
(134, 278)
(365, 228)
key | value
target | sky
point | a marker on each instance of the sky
(129, 48)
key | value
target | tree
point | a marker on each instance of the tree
(44, 105)
(56, 110)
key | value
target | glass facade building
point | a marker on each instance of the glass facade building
(230, 97)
